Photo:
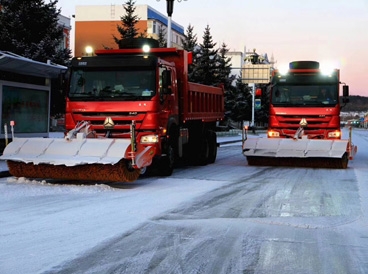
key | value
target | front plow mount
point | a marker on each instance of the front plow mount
(299, 152)
(77, 157)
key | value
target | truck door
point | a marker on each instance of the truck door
(168, 90)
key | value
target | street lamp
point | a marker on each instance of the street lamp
(89, 50)
(170, 10)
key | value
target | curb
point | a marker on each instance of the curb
(228, 142)
(5, 173)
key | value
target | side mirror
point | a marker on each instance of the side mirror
(166, 81)
(345, 94)
(345, 90)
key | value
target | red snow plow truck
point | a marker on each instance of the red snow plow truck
(126, 109)
(304, 121)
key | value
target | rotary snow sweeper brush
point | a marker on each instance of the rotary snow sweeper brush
(76, 157)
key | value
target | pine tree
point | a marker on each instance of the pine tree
(30, 28)
(190, 39)
(205, 70)
(190, 44)
(238, 102)
(224, 68)
(128, 20)
(162, 37)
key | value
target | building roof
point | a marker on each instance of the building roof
(11, 62)
(154, 14)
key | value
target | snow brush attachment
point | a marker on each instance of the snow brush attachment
(120, 172)
(336, 163)
(78, 158)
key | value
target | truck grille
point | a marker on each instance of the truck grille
(314, 121)
(122, 121)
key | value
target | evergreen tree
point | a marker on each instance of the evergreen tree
(143, 34)
(224, 68)
(205, 70)
(30, 28)
(162, 38)
(128, 20)
(190, 44)
(190, 39)
(238, 102)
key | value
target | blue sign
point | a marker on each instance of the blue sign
(257, 104)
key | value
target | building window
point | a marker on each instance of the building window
(154, 27)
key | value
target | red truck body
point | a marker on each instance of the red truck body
(304, 120)
(126, 110)
(175, 116)
(303, 84)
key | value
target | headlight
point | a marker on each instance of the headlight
(283, 69)
(334, 134)
(149, 139)
(273, 134)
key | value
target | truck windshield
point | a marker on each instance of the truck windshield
(318, 95)
(112, 85)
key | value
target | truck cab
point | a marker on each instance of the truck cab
(305, 92)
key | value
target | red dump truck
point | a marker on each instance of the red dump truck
(304, 120)
(126, 109)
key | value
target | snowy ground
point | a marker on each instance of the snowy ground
(221, 218)
(71, 233)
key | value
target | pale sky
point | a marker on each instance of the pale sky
(331, 32)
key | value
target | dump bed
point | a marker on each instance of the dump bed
(202, 102)
(197, 101)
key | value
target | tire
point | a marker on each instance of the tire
(166, 163)
(212, 147)
(203, 151)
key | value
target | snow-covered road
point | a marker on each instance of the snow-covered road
(222, 218)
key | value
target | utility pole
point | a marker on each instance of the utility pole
(170, 10)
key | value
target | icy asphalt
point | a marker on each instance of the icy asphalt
(226, 217)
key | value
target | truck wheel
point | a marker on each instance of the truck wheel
(212, 147)
(166, 164)
(203, 152)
